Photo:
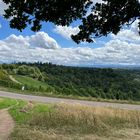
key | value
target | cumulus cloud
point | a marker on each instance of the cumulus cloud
(131, 34)
(41, 47)
(18, 48)
(40, 40)
(2, 7)
(66, 31)
(73, 56)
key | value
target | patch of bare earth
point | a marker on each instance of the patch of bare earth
(6, 124)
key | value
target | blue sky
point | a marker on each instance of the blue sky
(53, 44)
(49, 29)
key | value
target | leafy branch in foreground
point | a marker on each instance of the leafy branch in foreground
(103, 18)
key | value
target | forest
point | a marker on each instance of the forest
(105, 83)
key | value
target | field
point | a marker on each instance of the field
(71, 122)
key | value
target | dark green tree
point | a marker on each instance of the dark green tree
(108, 17)
(60, 12)
(104, 18)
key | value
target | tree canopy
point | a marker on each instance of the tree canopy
(103, 18)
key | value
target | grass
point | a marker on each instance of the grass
(30, 81)
(71, 122)
(21, 110)
(77, 122)
(5, 103)
(24, 112)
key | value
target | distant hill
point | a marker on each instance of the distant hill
(110, 83)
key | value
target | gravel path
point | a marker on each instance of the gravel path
(6, 124)
(59, 100)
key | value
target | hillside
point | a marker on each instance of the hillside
(107, 83)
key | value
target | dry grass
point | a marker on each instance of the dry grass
(76, 122)
(34, 134)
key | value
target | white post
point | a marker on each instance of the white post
(23, 88)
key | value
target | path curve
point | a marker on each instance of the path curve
(14, 80)
(59, 100)
(6, 124)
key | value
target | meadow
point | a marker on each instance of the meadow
(71, 122)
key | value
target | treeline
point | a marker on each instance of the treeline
(107, 83)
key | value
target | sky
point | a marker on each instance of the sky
(53, 44)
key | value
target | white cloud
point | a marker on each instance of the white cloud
(2, 7)
(97, 1)
(41, 47)
(131, 34)
(40, 40)
(65, 31)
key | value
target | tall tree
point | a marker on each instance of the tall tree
(104, 18)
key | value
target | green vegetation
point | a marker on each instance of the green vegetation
(36, 121)
(22, 111)
(3, 75)
(31, 83)
(5, 80)
(33, 72)
(52, 80)
(5, 103)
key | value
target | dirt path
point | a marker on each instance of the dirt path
(14, 80)
(6, 124)
(58, 100)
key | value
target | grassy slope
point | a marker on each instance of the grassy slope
(73, 122)
(30, 81)
(32, 86)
